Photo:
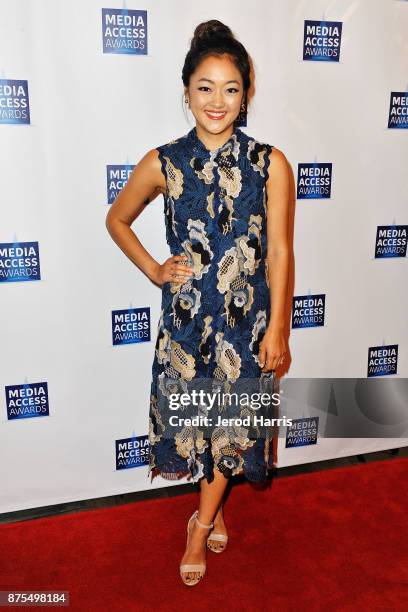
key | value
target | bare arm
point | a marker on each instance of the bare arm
(278, 186)
(145, 183)
(273, 345)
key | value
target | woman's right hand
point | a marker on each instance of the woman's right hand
(173, 270)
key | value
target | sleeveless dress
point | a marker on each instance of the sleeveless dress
(211, 325)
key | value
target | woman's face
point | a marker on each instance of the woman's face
(215, 93)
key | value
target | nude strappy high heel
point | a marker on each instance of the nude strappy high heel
(193, 567)
(217, 537)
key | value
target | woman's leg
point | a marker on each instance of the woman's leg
(211, 495)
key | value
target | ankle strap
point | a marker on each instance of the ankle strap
(210, 526)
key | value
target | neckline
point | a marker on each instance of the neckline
(199, 147)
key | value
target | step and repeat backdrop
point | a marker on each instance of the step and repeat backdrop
(86, 89)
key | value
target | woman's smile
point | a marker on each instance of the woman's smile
(216, 115)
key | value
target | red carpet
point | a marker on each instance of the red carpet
(330, 540)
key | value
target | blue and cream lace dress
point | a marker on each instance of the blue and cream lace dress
(210, 326)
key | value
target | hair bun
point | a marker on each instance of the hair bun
(208, 30)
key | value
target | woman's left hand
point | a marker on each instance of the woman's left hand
(272, 349)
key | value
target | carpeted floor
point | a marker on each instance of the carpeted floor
(329, 540)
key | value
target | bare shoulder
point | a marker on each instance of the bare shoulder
(150, 164)
(278, 163)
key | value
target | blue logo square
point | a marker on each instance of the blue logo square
(131, 325)
(132, 452)
(19, 261)
(124, 31)
(14, 102)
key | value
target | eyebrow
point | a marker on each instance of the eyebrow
(210, 81)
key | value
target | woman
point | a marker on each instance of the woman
(226, 215)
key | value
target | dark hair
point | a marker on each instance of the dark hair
(215, 38)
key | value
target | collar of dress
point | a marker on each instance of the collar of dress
(200, 150)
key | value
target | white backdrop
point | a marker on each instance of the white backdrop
(89, 110)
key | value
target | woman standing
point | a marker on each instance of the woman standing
(226, 216)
